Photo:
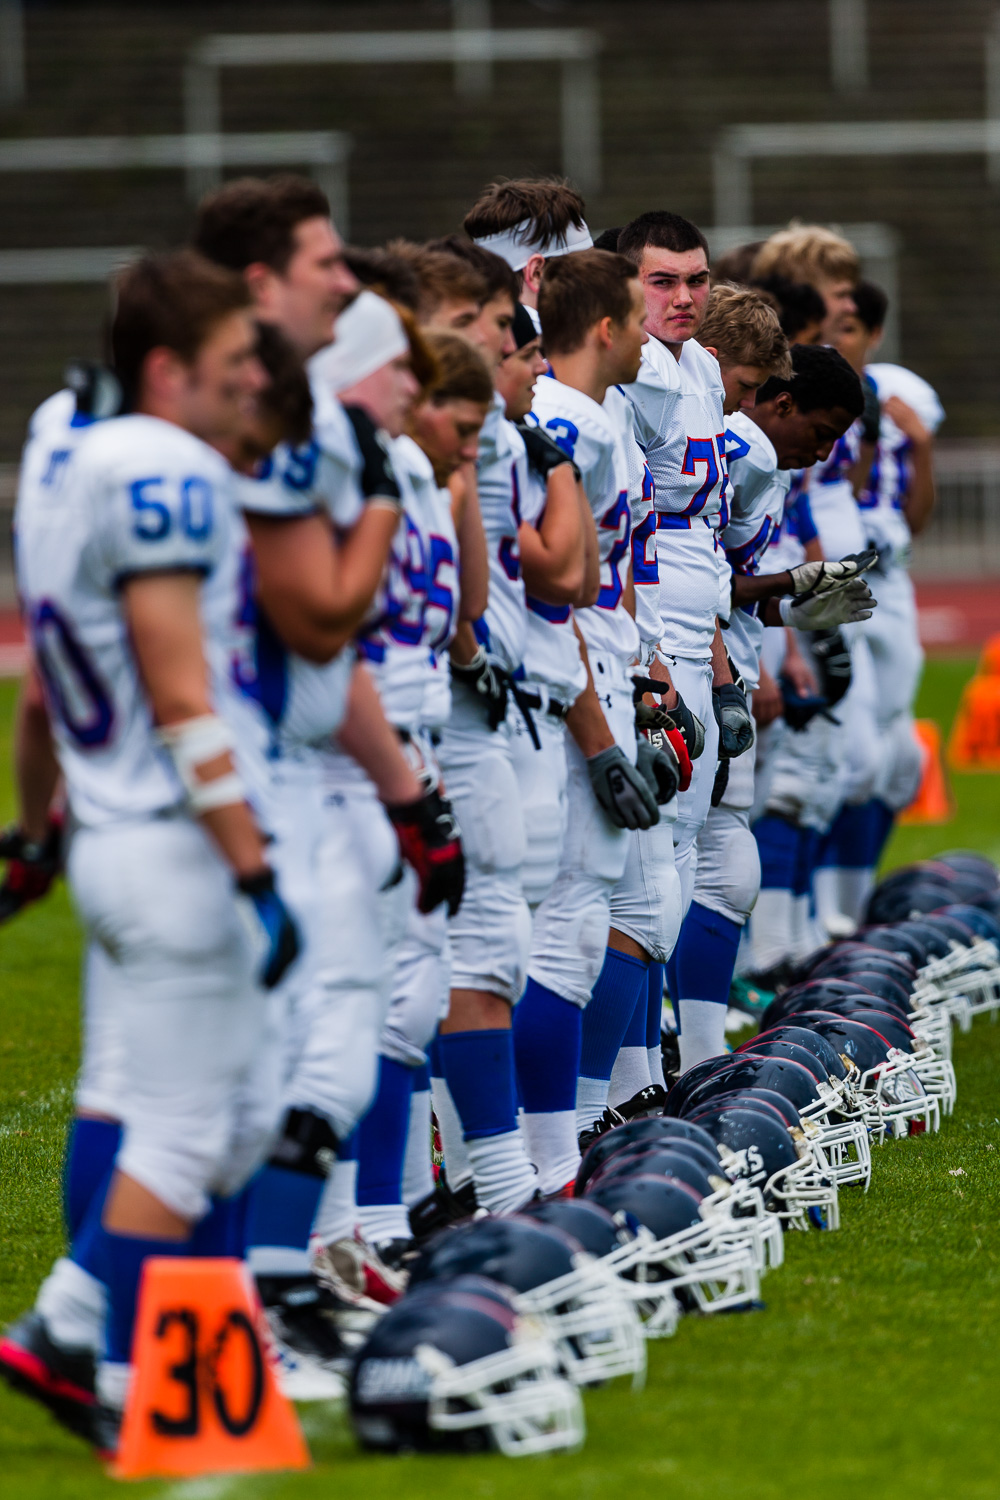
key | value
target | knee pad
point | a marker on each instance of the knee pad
(491, 937)
(729, 873)
(420, 991)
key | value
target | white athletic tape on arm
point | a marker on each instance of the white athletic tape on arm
(516, 246)
(194, 743)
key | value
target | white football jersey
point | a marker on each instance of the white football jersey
(139, 496)
(831, 497)
(503, 628)
(641, 490)
(592, 439)
(758, 490)
(552, 651)
(687, 461)
(303, 703)
(885, 493)
(404, 641)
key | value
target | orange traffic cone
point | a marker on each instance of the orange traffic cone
(933, 802)
(204, 1398)
(974, 744)
(989, 658)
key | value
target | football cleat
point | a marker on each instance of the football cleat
(356, 1274)
(311, 1359)
(60, 1379)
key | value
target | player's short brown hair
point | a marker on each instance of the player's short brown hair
(579, 290)
(661, 231)
(171, 301)
(500, 280)
(287, 398)
(743, 327)
(736, 264)
(462, 373)
(441, 277)
(254, 219)
(548, 204)
(807, 252)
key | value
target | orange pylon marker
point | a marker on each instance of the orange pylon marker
(933, 802)
(989, 658)
(204, 1396)
(974, 744)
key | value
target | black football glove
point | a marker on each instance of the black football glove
(832, 656)
(657, 761)
(622, 790)
(798, 711)
(378, 480)
(280, 930)
(488, 682)
(429, 841)
(734, 720)
(31, 867)
(544, 453)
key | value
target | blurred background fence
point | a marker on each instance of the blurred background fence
(882, 116)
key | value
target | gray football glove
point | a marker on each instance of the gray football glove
(845, 605)
(814, 578)
(659, 764)
(622, 790)
(733, 719)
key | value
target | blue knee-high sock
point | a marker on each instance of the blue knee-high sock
(282, 1207)
(706, 955)
(122, 1258)
(91, 1149)
(778, 844)
(382, 1136)
(478, 1067)
(654, 1006)
(613, 1003)
(547, 1033)
(224, 1229)
(635, 1031)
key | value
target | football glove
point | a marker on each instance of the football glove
(429, 841)
(842, 606)
(281, 935)
(832, 656)
(720, 783)
(658, 763)
(798, 711)
(544, 453)
(488, 682)
(820, 577)
(621, 789)
(31, 867)
(377, 478)
(734, 720)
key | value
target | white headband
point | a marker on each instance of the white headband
(367, 335)
(516, 246)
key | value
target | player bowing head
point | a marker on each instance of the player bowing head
(280, 235)
(379, 362)
(805, 414)
(447, 422)
(671, 255)
(528, 222)
(743, 332)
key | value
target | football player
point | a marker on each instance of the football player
(527, 221)
(896, 499)
(592, 316)
(166, 846)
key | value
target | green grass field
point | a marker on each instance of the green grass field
(874, 1368)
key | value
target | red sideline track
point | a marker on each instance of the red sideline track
(955, 615)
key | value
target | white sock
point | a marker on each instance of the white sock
(73, 1305)
(654, 1057)
(855, 888)
(504, 1177)
(337, 1214)
(112, 1384)
(773, 929)
(457, 1166)
(278, 1260)
(703, 1031)
(552, 1146)
(807, 934)
(629, 1074)
(418, 1174)
(591, 1101)
(383, 1221)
